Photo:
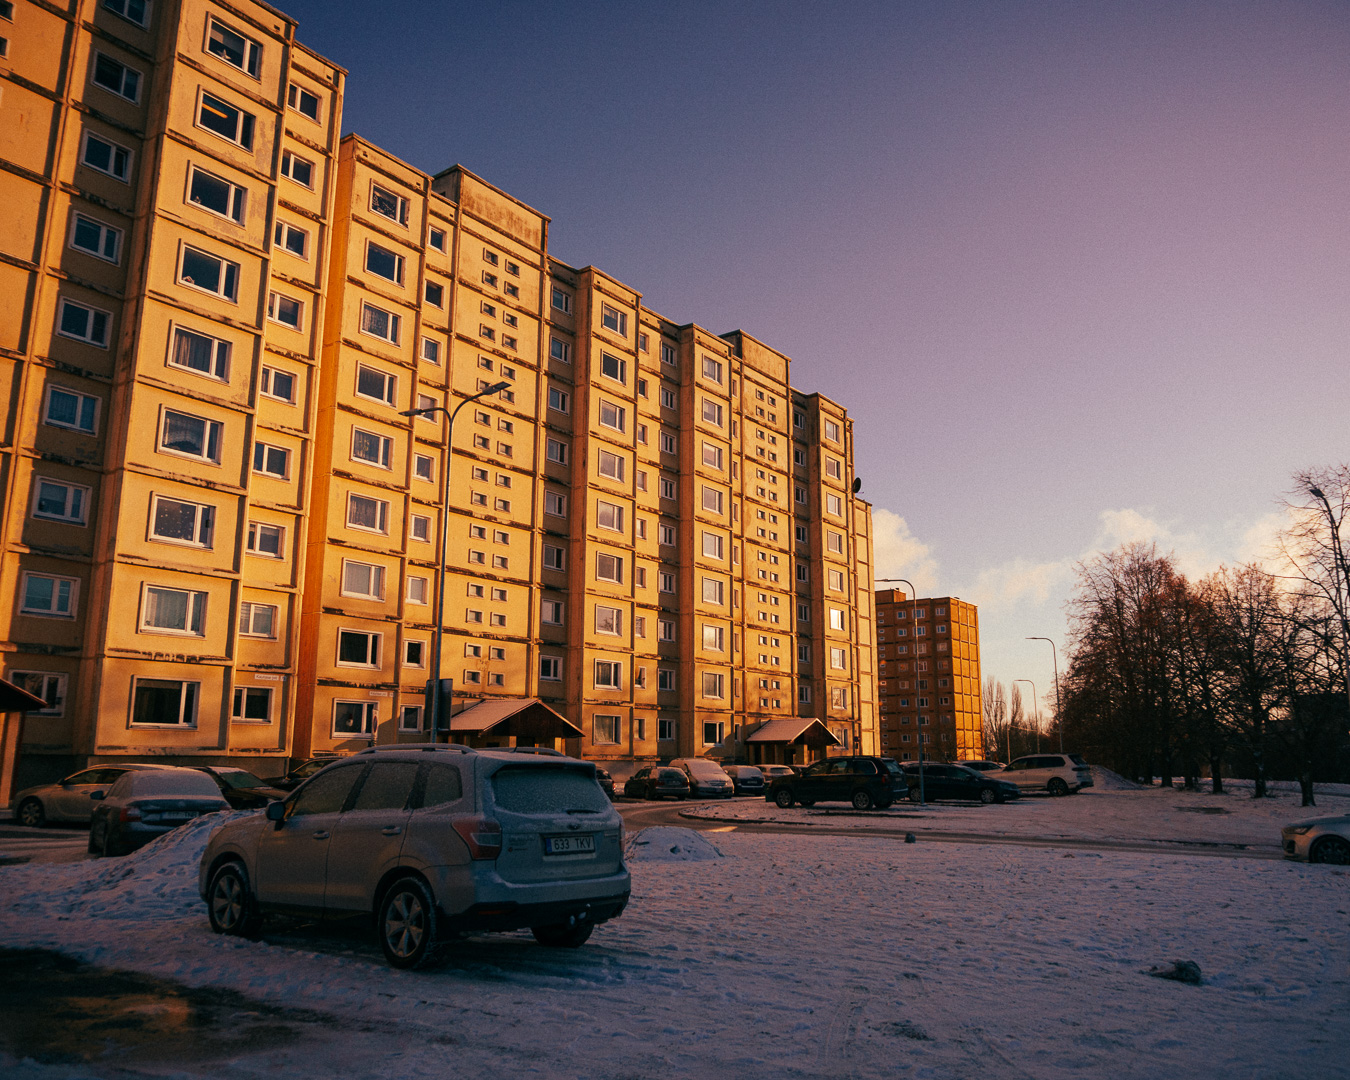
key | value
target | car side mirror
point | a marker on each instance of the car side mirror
(276, 811)
(97, 796)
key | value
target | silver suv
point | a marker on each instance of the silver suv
(431, 841)
(1059, 774)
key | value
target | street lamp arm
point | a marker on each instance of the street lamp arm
(914, 608)
(1059, 715)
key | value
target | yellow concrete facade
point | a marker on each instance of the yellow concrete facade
(222, 528)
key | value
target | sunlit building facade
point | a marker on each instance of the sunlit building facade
(223, 513)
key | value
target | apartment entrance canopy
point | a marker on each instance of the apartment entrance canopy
(14, 701)
(527, 720)
(798, 731)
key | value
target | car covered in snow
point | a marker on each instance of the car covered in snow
(144, 804)
(706, 778)
(1059, 774)
(745, 779)
(1319, 840)
(431, 841)
(657, 782)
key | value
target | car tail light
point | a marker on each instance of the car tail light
(130, 813)
(483, 836)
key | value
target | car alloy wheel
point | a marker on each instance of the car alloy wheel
(1057, 787)
(862, 800)
(783, 798)
(1330, 849)
(407, 923)
(229, 904)
(31, 814)
(987, 796)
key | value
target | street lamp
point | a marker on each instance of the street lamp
(1338, 570)
(914, 608)
(1037, 703)
(1059, 715)
(439, 707)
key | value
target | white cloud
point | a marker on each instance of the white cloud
(899, 553)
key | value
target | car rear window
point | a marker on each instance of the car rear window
(547, 790)
(670, 774)
(238, 778)
(1077, 759)
(892, 767)
(150, 784)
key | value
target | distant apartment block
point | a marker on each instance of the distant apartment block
(928, 652)
(222, 529)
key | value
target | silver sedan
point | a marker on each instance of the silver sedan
(1324, 840)
(68, 799)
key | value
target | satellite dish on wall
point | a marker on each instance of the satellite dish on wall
(857, 484)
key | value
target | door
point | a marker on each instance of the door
(71, 802)
(368, 837)
(293, 853)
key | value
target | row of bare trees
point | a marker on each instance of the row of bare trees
(1010, 730)
(1243, 671)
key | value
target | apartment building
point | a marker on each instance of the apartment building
(168, 175)
(929, 656)
(235, 346)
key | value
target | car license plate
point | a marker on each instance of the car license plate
(177, 815)
(569, 845)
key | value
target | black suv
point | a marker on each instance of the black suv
(948, 781)
(864, 782)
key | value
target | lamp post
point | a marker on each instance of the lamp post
(1036, 702)
(1338, 571)
(1059, 715)
(439, 707)
(914, 609)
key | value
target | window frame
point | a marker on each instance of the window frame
(188, 703)
(129, 156)
(198, 601)
(53, 611)
(246, 126)
(251, 60)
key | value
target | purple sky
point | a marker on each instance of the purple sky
(1077, 270)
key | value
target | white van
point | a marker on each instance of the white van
(706, 778)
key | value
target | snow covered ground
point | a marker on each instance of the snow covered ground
(794, 956)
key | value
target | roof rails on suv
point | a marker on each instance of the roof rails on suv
(425, 748)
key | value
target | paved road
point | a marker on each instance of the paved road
(56, 844)
(638, 815)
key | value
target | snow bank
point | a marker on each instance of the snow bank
(1104, 778)
(155, 882)
(664, 843)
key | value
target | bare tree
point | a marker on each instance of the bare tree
(995, 705)
(1313, 549)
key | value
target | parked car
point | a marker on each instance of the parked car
(745, 779)
(143, 804)
(605, 781)
(982, 766)
(958, 782)
(240, 788)
(773, 772)
(68, 799)
(657, 782)
(300, 773)
(862, 781)
(1321, 840)
(431, 840)
(706, 778)
(1059, 774)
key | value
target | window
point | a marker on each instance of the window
(410, 719)
(278, 384)
(838, 697)
(550, 668)
(669, 445)
(95, 238)
(131, 10)
(436, 238)
(180, 522)
(712, 455)
(115, 77)
(223, 119)
(714, 638)
(47, 594)
(838, 659)
(173, 611)
(667, 398)
(424, 467)
(395, 208)
(712, 499)
(413, 652)
(554, 558)
(290, 238)
(232, 47)
(557, 399)
(562, 301)
(613, 368)
(608, 515)
(435, 294)
(834, 468)
(831, 431)
(384, 263)
(298, 169)
(608, 675)
(712, 370)
(837, 580)
(264, 539)
(285, 310)
(714, 686)
(164, 703)
(191, 436)
(606, 729)
(375, 384)
(834, 541)
(372, 515)
(209, 273)
(50, 686)
(559, 350)
(665, 678)
(419, 527)
(667, 582)
(612, 415)
(713, 591)
(258, 620)
(418, 590)
(71, 409)
(608, 567)
(83, 323)
(354, 719)
(667, 534)
(712, 412)
(712, 545)
(837, 619)
(371, 448)
(378, 323)
(431, 351)
(555, 503)
(556, 451)
(474, 677)
(551, 612)
(357, 648)
(608, 620)
(59, 501)
(302, 101)
(613, 319)
(271, 460)
(609, 465)
(106, 156)
(665, 629)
